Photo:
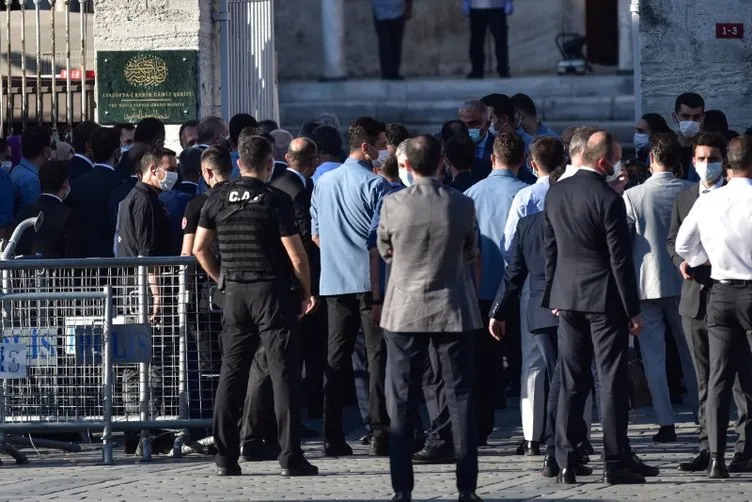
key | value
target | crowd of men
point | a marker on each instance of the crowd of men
(434, 268)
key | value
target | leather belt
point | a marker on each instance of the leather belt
(735, 282)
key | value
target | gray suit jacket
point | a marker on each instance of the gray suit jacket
(428, 235)
(649, 208)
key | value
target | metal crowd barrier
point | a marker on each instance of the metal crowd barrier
(82, 348)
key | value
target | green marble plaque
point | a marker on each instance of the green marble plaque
(132, 85)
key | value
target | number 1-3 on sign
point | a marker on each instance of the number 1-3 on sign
(729, 30)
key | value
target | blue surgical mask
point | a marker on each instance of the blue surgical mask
(474, 134)
(641, 141)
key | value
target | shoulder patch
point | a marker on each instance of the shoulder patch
(184, 223)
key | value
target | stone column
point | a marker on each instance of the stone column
(125, 25)
(626, 59)
(333, 39)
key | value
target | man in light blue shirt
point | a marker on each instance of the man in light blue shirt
(527, 123)
(493, 197)
(35, 149)
(329, 142)
(390, 17)
(342, 208)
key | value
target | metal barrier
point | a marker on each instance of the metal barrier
(117, 344)
(58, 83)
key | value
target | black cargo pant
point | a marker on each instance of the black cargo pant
(390, 33)
(496, 21)
(346, 314)
(256, 314)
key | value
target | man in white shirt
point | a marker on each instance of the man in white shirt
(718, 230)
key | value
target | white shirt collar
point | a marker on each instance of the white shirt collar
(302, 178)
(543, 179)
(106, 166)
(718, 184)
(87, 159)
(53, 196)
(586, 168)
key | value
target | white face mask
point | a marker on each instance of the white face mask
(6, 166)
(383, 155)
(406, 176)
(474, 134)
(168, 181)
(617, 173)
(709, 172)
(492, 130)
(125, 148)
(689, 128)
(641, 141)
(66, 193)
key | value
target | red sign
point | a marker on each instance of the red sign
(75, 74)
(729, 30)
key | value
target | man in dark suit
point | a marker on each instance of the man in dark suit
(475, 115)
(83, 161)
(430, 307)
(590, 283)
(459, 155)
(177, 199)
(58, 237)
(90, 194)
(150, 133)
(709, 148)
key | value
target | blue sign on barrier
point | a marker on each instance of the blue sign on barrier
(131, 343)
(12, 360)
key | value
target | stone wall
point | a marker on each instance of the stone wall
(436, 39)
(680, 53)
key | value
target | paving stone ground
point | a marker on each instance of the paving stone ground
(503, 475)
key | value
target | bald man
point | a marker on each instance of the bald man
(591, 286)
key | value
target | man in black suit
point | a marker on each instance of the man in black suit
(150, 133)
(90, 194)
(590, 283)
(709, 148)
(475, 115)
(459, 154)
(58, 237)
(83, 161)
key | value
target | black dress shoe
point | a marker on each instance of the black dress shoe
(635, 464)
(566, 476)
(550, 467)
(532, 448)
(469, 497)
(366, 440)
(521, 448)
(622, 475)
(233, 470)
(740, 463)
(301, 468)
(717, 469)
(402, 497)
(666, 434)
(379, 447)
(698, 463)
(337, 450)
(430, 455)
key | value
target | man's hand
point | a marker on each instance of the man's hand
(497, 328)
(686, 273)
(376, 314)
(308, 306)
(635, 325)
(156, 309)
(509, 7)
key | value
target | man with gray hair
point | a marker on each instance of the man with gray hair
(576, 148)
(282, 140)
(476, 116)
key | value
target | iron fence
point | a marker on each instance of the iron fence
(163, 343)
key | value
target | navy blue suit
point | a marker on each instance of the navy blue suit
(175, 202)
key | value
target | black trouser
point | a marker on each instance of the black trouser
(258, 314)
(439, 436)
(360, 379)
(313, 329)
(259, 423)
(406, 359)
(346, 314)
(729, 322)
(697, 338)
(488, 365)
(582, 338)
(390, 33)
(496, 21)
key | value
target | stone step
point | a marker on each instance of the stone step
(565, 108)
(427, 89)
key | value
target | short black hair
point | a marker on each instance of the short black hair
(547, 152)
(148, 131)
(238, 123)
(715, 121)
(82, 135)
(328, 140)
(396, 134)
(307, 130)
(35, 139)
(268, 125)
(509, 148)
(556, 174)
(390, 167)
(52, 176)
(690, 99)
(104, 142)
(460, 152)
(501, 104)
(656, 123)
(152, 155)
(740, 154)
(452, 128)
(364, 130)
(525, 104)
(665, 149)
(713, 140)
(254, 150)
(190, 163)
(184, 126)
(124, 127)
(218, 157)
(424, 154)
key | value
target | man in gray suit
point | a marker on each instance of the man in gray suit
(649, 216)
(428, 235)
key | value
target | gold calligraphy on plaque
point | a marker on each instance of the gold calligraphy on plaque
(146, 71)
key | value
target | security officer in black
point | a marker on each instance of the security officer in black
(265, 277)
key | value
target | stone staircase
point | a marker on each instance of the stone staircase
(423, 105)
